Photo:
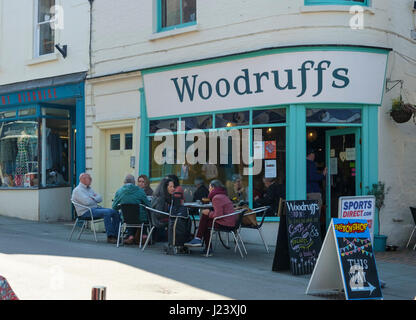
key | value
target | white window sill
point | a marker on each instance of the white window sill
(174, 32)
(42, 59)
(332, 8)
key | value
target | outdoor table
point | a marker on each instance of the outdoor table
(200, 206)
(6, 292)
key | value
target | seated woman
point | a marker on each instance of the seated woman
(222, 205)
(144, 183)
(162, 201)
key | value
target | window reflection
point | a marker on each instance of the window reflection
(333, 115)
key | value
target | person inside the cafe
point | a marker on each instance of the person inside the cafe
(236, 190)
(274, 191)
(222, 205)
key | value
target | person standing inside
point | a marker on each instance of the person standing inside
(84, 195)
(314, 178)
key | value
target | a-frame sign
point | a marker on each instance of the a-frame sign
(346, 261)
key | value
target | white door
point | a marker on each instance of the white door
(119, 150)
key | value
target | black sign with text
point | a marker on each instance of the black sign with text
(304, 238)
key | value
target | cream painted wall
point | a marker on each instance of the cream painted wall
(124, 39)
(17, 62)
(111, 102)
(22, 204)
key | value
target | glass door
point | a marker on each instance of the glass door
(343, 160)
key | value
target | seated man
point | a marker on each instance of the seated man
(131, 194)
(274, 191)
(84, 195)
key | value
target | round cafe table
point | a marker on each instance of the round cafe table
(6, 292)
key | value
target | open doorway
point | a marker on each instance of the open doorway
(339, 151)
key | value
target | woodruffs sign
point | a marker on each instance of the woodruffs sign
(297, 77)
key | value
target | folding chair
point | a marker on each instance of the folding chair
(263, 211)
(413, 212)
(154, 222)
(234, 230)
(131, 219)
(85, 221)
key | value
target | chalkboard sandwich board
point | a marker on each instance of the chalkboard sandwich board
(347, 261)
(304, 238)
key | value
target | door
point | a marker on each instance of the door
(119, 150)
(343, 160)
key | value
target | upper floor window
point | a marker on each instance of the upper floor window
(44, 32)
(176, 13)
(338, 2)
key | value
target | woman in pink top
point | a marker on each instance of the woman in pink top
(222, 205)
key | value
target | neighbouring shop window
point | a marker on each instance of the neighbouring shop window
(19, 153)
(176, 13)
(45, 34)
(333, 115)
(34, 150)
(336, 2)
(57, 152)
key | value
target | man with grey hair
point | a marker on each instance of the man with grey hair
(129, 193)
(84, 195)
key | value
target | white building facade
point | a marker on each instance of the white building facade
(242, 64)
(44, 58)
(306, 73)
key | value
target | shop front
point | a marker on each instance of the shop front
(246, 117)
(42, 147)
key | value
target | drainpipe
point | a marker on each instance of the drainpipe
(90, 45)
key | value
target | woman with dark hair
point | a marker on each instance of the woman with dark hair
(162, 196)
(162, 201)
(144, 183)
(222, 205)
(178, 192)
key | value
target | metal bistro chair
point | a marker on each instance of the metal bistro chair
(85, 221)
(413, 212)
(131, 219)
(263, 211)
(154, 222)
(233, 230)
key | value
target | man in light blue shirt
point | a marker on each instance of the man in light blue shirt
(84, 195)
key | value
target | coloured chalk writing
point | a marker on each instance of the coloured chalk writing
(304, 239)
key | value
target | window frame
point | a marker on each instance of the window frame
(37, 26)
(38, 116)
(160, 28)
(366, 3)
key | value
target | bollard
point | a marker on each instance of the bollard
(98, 293)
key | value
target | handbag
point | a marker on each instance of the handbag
(249, 220)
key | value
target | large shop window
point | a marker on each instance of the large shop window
(176, 14)
(222, 145)
(44, 34)
(34, 148)
(337, 2)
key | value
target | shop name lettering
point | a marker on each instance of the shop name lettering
(246, 83)
(352, 209)
(299, 210)
(30, 96)
(351, 227)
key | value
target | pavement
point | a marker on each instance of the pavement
(41, 264)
